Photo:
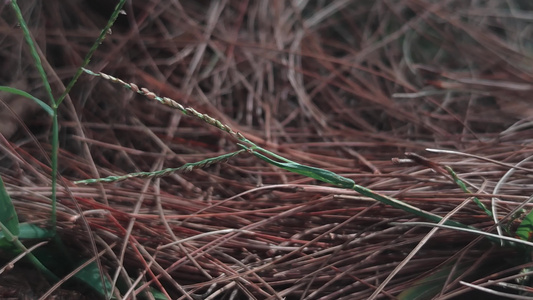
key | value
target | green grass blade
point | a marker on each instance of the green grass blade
(406, 207)
(24, 94)
(316, 173)
(8, 215)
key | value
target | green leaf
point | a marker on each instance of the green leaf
(8, 215)
(90, 275)
(31, 231)
(429, 286)
(15, 91)
(525, 229)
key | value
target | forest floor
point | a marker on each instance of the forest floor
(387, 93)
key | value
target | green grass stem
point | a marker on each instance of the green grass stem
(33, 51)
(96, 44)
(54, 105)
(24, 94)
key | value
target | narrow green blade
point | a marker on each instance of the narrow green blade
(15, 91)
(8, 215)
